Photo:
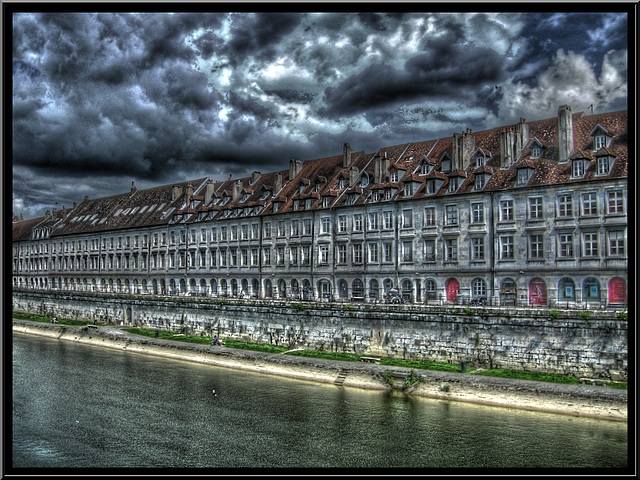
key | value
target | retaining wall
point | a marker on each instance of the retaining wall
(586, 345)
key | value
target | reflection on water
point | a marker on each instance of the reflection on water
(81, 406)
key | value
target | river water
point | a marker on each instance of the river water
(84, 407)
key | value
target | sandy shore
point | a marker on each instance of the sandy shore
(576, 400)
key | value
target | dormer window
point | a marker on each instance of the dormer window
(454, 183)
(301, 188)
(408, 189)
(245, 197)
(524, 174)
(351, 199)
(364, 181)
(342, 183)
(601, 138)
(326, 202)
(481, 181)
(265, 194)
(603, 165)
(536, 152)
(577, 168)
(431, 187)
(425, 169)
(480, 161)
(317, 186)
(394, 177)
(276, 207)
(446, 165)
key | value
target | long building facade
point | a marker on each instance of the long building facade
(528, 214)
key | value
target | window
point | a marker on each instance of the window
(408, 189)
(387, 250)
(306, 255)
(342, 253)
(394, 177)
(454, 183)
(407, 218)
(306, 226)
(451, 249)
(326, 202)
(589, 204)
(254, 256)
(577, 169)
(429, 250)
(424, 169)
(267, 256)
(245, 257)
(477, 213)
(342, 223)
(565, 206)
(357, 223)
(430, 288)
(477, 248)
(280, 256)
(430, 216)
(407, 251)
(373, 253)
(388, 220)
(480, 181)
(506, 247)
(614, 202)
(590, 244)
(523, 176)
(342, 183)
(431, 186)
(535, 208)
(234, 257)
(566, 245)
(506, 210)
(324, 254)
(373, 221)
(451, 215)
(603, 165)
(295, 228)
(536, 244)
(478, 288)
(480, 161)
(536, 151)
(244, 232)
(599, 141)
(357, 253)
(616, 243)
(267, 230)
(325, 225)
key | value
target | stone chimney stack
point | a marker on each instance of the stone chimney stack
(277, 186)
(295, 166)
(565, 133)
(523, 134)
(353, 175)
(237, 190)
(176, 191)
(188, 192)
(208, 192)
(133, 189)
(463, 145)
(508, 147)
(254, 177)
(346, 155)
(380, 168)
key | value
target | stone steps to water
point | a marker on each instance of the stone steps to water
(341, 377)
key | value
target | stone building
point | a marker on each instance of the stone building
(528, 214)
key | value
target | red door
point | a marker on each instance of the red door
(453, 287)
(537, 292)
(617, 290)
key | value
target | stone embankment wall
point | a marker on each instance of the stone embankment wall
(593, 344)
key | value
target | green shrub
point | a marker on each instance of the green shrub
(622, 315)
(554, 314)
(585, 315)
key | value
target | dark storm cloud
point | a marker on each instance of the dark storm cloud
(256, 34)
(426, 76)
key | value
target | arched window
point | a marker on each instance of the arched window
(357, 288)
(295, 290)
(342, 288)
(430, 289)
(255, 287)
(374, 290)
(591, 290)
(268, 289)
(566, 290)
(407, 290)
(214, 286)
(478, 288)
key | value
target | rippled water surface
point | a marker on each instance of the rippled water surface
(91, 407)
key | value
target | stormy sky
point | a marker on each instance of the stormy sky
(104, 99)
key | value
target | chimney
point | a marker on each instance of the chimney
(277, 186)
(523, 134)
(188, 192)
(346, 155)
(565, 133)
(295, 166)
(176, 191)
(508, 148)
(208, 191)
(86, 198)
(380, 168)
(463, 145)
(47, 214)
(353, 176)
(237, 190)
(133, 189)
(254, 177)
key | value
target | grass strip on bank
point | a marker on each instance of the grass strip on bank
(336, 356)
